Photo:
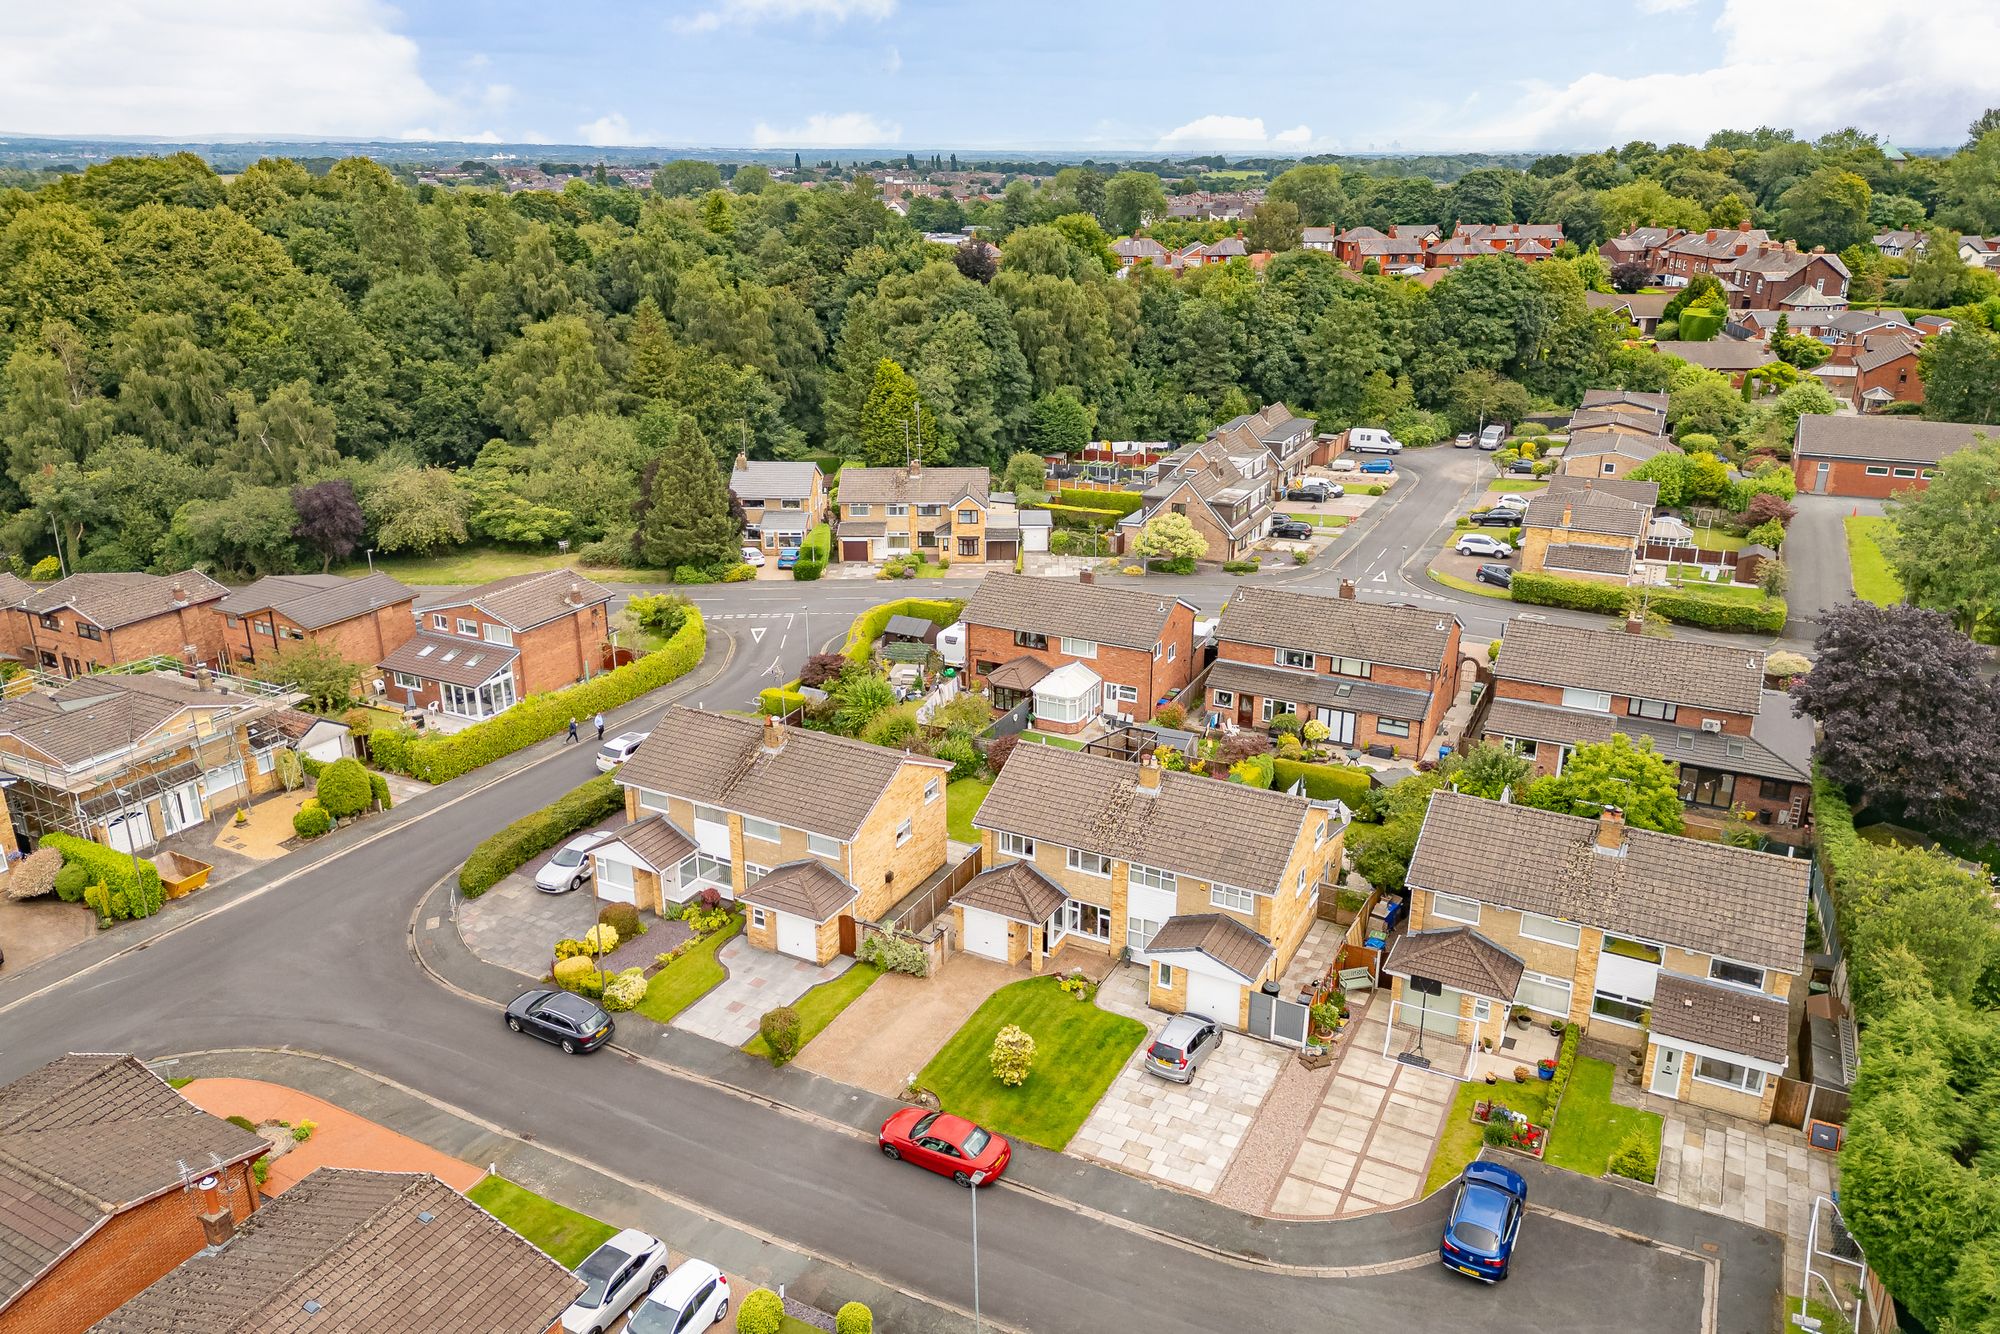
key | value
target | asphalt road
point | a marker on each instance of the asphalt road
(1816, 554)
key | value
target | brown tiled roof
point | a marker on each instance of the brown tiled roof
(524, 601)
(1724, 677)
(1626, 417)
(1597, 398)
(1593, 441)
(766, 480)
(1587, 559)
(1105, 614)
(84, 1138)
(862, 528)
(460, 662)
(1708, 897)
(316, 600)
(1711, 1014)
(655, 840)
(1320, 623)
(14, 590)
(1460, 958)
(1606, 505)
(1884, 439)
(364, 1253)
(1020, 674)
(1315, 688)
(114, 600)
(807, 888)
(1721, 354)
(1728, 752)
(95, 715)
(1647, 305)
(1223, 939)
(1198, 827)
(1879, 352)
(815, 781)
(1016, 891)
(930, 486)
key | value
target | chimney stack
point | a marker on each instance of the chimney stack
(1347, 589)
(1743, 226)
(916, 466)
(1086, 576)
(1635, 625)
(1711, 233)
(1149, 775)
(1611, 830)
(774, 735)
(218, 1224)
(1566, 514)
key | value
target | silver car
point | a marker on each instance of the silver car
(1182, 1046)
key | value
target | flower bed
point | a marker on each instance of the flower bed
(1525, 1136)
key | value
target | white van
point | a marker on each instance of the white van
(951, 645)
(1372, 440)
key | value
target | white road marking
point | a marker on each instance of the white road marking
(756, 634)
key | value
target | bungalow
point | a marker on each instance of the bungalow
(781, 501)
(1733, 357)
(1642, 309)
(478, 653)
(362, 620)
(1875, 455)
(929, 512)
(1587, 527)
(88, 622)
(1614, 433)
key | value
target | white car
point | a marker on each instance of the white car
(569, 868)
(1479, 544)
(618, 750)
(1464, 440)
(752, 556)
(695, 1296)
(615, 1275)
(1511, 501)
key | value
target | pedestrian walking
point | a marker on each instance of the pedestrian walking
(599, 720)
(572, 732)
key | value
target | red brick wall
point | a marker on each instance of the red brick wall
(1441, 687)
(1900, 377)
(1848, 478)
(165, 635)
(1151, 677)
(367, 638)
(553, 655)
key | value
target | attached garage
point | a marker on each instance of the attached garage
(798, 937)
(1215, 997)
(994, 901)
(985, 934)
(854, 549)
(859, 540)
(789, 904)
(1220, 958)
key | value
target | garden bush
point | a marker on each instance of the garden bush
(1498, 1132)
(343, 788)
(36, 874)
(1178, 565)
(492, 860)
(1120, 503)
(378, 787)
(141, 889)
(625, 991)
(1013, 1055)
(1239, 567)
(1547, 590)
(1769, 533)
(1691, 607)
(1285, 723)
(569, 948)
(894, 727)
(868, 626)
(312, 819)
(622, 918)
(1086, 518)
(780, 1030)
(963, 756)
(894, 953)
(46, 569)
(822, 669)
(805, 570)
(1170, 715)
(1636, 1157)
(71, 881)
(1000, 750)
(763, 1312)
(854, 1318)
(778, 702)
(601, 939)
(1254, 770)
(579, 974)
(1324, 782)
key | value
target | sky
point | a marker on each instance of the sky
(1279, 78)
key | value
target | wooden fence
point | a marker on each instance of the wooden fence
(915, 913)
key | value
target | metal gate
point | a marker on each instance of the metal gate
(1277, 1020)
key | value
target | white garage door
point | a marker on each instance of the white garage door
(796, 937)
(129, 832)
(986, 934)
(1219, 998)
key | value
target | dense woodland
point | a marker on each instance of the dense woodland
(184, 355)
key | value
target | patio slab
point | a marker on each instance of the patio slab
(1182, 1134)
(758, 980)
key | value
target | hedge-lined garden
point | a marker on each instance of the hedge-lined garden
(115, 884)
(1682, 606)
(496, 858)
(782, 701)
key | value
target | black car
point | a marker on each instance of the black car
(1315, 492)
(1291, 528)
(1522, 467)
(1499, 518)
(1498, 575)
(562, 1017)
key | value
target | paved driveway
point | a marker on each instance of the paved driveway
(1816, 555)
(517, 926)
(758, 980)
(899, 1023)
(1182, 1134)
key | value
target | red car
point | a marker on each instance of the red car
(948, 1145)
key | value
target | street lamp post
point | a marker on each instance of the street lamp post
(371, 560)
(977, 1179)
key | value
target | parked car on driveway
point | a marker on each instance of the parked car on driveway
(694, 1297)
(1521, 468)
(1343, 464)
(1485, 1221)
(1500, 576)
(948, 1145)
(1378, 466)
(569, 868)
(1182, 1046)
(788, 557)
(1464, 440)
(1490, 438)
(752, 556)
(1315, 492)
(1480, 544)
(562, 1017)
(1494, 518)
(618, 750)
(1510, 502)
(1292, 528)
(615, 1275)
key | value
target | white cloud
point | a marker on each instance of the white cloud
(1915, 76)
(892, 60)
(421, 133)
(610, 130)
(1664, 6)
(1296, 137)
(849, 129)
(749, 12)
(1241, 132)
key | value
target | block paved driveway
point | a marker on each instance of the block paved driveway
(758, 980)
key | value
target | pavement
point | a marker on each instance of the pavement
(758, 980)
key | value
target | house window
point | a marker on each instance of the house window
(1173, 651)
(1292, 657)
(898, 511)
(1551, 930)
(1274, 707)
(1455, 909)
(1905, 472)
(1087, 919)
(757, 917)
(1152, 877)
(1739, 1077)
(1877, 472)
(819, 845)
(230, 621)
(1079, 648)
(859, 511)
(1706, 787)
(50, 621)
(1651, 708)
(903, 832)
(752, 873)
(1166, 976)
(1620, 1009)
(1774, 789)
(1223, 698)
(85, 630)
(1349, 666)
(1139, 933)
(1232, 898)
(1550, 995)
(499, 634)
(1029, 639)
(929, 511)
(1597, 701)
(223, 779)
(968, 546)
(1089, 863)
(466, 627)
(1015, 845)
(261, 627)
(763, 830)
(1626, 948)
(1736, 974)
(440, 621)
(930, 791)
(267, 760)
(968, 517)
(1391, 727)
(1299, 891)
(1117, 694)
(791, 504)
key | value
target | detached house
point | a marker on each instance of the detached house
(1225, 487)
(1379, 677)
(1078, 648)
(1685, 951)
(363, 620)
(87, 622)
(930, 512)
(478, 653)
(810, 832)
(1702, 705)
(1210, 885)
(781, 501)
(1587, 527)
(1875, 455)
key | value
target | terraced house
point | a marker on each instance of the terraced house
(1379, 677)
(1210, 885)
(810, 832)
(1686, 951)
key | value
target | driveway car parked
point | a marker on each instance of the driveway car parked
(1499, 575)
(1378, 466)
(1291, 528)
(1479, 544)
(562, 1017)
(788, 558)
(752, 556)
(948, 1145)
(1510, 502)
(1182, 1046)
(1485, 1221)
(569, 868)
(1315, 492)
(618, 750)
(615, 1275)
(695, 1296)
(1494, 518)
(1521, 468)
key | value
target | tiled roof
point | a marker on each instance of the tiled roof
(316, 600)
(1618, 416)
(859, 528)
(524, 601)
(1778, 756)
(1016, 891)
(115, 600)
(96, 715)
(1720, 354)
(1317, 689)
(814, 781)
(655, 840)
(759, 479)
(1711, 1014)
(1723, 677)
(1223, 939)
(1708, 897)
(1585, 558)
(1887, 439)
(1585, 511)
(1595, 398)
(362, 1252)
(1878, 352)
(1102, 613)
(1191, 826)
(1019, 674)
(459, 662)
(807, 888)
(1348, 627)
(930, 486)
(1460, 958)
(14, 590)
(1596, 441)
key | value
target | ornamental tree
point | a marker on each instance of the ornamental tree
(1635, 779)
(330, 519)
(1170, 536)
(1012, 1055)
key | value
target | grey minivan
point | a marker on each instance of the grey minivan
(1182, 1046)
(1490, 438)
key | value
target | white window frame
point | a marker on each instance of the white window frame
(1904, 472)
(1562, 984)
(764, 831)
(1717, 962)
(1617, 998)
(1152, 877)
(898, 511)
(1296, 658)
(468, 628)
(1079, 648)
(752, 873)
(756, 917)
(440, 621)
(1396, 727)
(1224, 699)
(1741, 1084)
(1093, 864)
(1139, 933)
(1595, 701)
(931, 791)
(1551, 930)
(1874, 471)
(968, 517)
(1016, 845)
(498, 634)
(406, 681)
(1442, 903)
(1273, 707)
(1234, 898)
(859, 511)
(267, 760)
(1173, 652)
(1073, 912)
(819, 845)
(904, 832)
(1165, 976)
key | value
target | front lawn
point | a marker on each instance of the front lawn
(1873, 580)
(1721, 592)
(1459, 1144)
(1472, 586)
(1591, 1126)
(564, 1235)
(820, 1006)
(1050, 739)
(688, 978)
(1079, 1050)
(961, 802)
(1517, 484)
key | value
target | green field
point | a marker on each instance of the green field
(478, 565)
(1869, 569)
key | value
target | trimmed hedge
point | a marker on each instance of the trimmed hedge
(492, 861)
(142, 890)
(1082, 516)
(868, 626)
(779, 701)
(805, 571)
(1547, 590)
(1324, 782)
(1691, 608)
(343, 788)
(1120, 503)
(435, 758)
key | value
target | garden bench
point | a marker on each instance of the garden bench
(1356, 979)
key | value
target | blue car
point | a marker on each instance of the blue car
(1485, 1221)
(788, 557)
(1379, 465)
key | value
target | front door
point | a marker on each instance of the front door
(1819, 478)
(1667, 1072)
(1244, 714)
(180, 807)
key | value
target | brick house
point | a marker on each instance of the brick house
(810, 832)
(1226, 486)
(1707, 252)
(1587, 527)
(1642, 309)
(929, 512)
(89, 621)
(1645, 246)
(1133, 251)
(363, 620)
(1378, 676)
(1139, 645)
(1613, 432)
(782, 501)
(1702, 705)
(1874, 370)
(1402, 247)
(1687, 952)
(1210, 885)
(478, 653)
(1290, 440)
(1733, 357)
(1874, 455)
(95, 1198)
(354, 1250)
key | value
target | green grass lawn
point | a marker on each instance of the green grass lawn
(1459, 1144)
(564, 1235)
(1873, 580)
(1079, 1050)
(1715, 539)
(1050, 739)
(1516, 484)
(688, 978)
(477, 565)
(1590, 1125)
(962, 800)
(1721, 592)
(818, 1007)
(1472, 586)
